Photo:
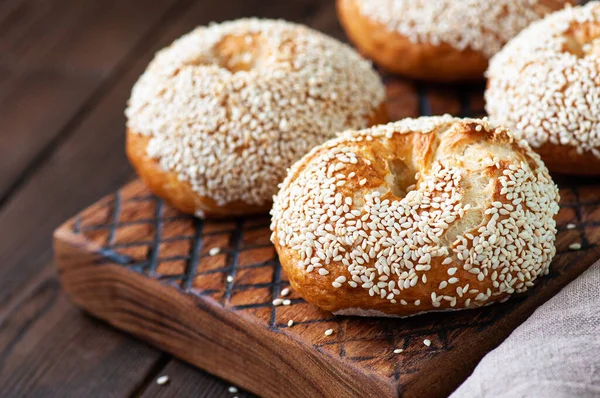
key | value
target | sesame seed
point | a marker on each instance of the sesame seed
(571, 226)
(277, 301)
(285, 292)
(286, 302)
(162, 380)
(229, 278)
(328, 332)
(214, 251)
(575, 246)
(427, 342)
(232, 389)
(290, 323)
(398, 350)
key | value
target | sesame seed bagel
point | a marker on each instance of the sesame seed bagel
(442, 40)
(545, 85)
(428, 214)
(218, 116)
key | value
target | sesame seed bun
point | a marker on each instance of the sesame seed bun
(218, 116)
(545, 86)
(428, 214)
(444, 40)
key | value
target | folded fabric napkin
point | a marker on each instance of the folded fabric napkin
(555, 353)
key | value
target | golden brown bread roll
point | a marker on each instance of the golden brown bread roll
(545, 86)
(218, 116)
(420, 215)
(442, 40)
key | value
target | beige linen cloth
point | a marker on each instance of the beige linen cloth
(555, 353)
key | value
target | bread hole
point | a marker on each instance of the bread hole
(239, 53)
(402, 177)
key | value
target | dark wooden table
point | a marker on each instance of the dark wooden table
(66, 70)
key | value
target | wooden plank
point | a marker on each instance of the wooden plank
(89, 162)
(5, 77)
(122, 263)
(187, 381)
(61, 33)
(31, 28)
(59, 95)
(39, 105)
(55, 92)
(51, 84)
(49, 349)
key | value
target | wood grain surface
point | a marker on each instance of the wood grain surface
(133, 261)
(66, 70)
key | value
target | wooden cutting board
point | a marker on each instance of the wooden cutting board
(133, 261)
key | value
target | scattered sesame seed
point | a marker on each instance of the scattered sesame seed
(571, 226)
(575, 246)
(277, 301)
(290, 323)
(233, 389)
(286, 302)
(162, 380)
(214, 251)
(285, 292)
(328, 332)
(210, 115)
(229, 278)
(427, 342)
(398, 350)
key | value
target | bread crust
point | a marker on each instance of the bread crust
(176, 192)
(397, 54)
(562, 159)
(419, 150)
